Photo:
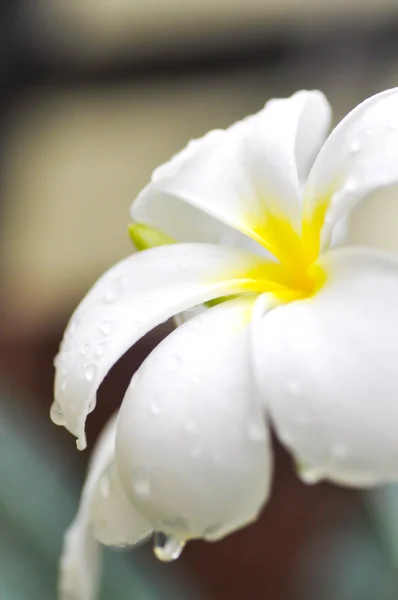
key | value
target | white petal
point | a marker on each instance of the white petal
(129, 300)
(327, 368)
(192, 446)
(121, 524)
(359, 158)
(240, 175)
(80, 566)
(81, 554)
(114, 520)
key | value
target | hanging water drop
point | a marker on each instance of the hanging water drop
(310, 475)
(56, 414)
(166, 547)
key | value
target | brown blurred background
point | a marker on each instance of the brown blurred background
(95, 95)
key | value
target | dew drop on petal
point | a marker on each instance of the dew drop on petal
(166, 547)
(101, 347)
(114, 292)
(109, 327)
(355, 146)
(90, 372)
(56, 414)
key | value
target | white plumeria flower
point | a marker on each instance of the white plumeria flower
(306, 339)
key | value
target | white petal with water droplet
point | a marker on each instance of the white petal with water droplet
(340, 349)
(158, 283)
(205, 459)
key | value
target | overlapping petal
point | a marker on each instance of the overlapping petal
(241, 176)
(104, 514)
(358, 159)
(327, 369)
(192, 446)
(129, 300)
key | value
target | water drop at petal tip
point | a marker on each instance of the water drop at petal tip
(166, 547)
(310, 475)
(56, 414)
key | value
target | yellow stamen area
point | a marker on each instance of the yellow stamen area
(295, 276)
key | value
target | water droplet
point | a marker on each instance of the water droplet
(90, 372)
(101, 347)
(91, 405)
(64, 384)
(256, 432)
(109, 327)
(56, 414)
(112, 293)
(166, 547)
(310, 475)
(294, 388)
(339, 450)
(57, 361)
(355, 146)
(84, 350)
(142, 482)
(81, 442)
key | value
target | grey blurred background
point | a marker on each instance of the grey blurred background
(93, 96)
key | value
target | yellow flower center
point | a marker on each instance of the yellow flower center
(296, 275)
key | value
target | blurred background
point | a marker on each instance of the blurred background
(94, 94)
